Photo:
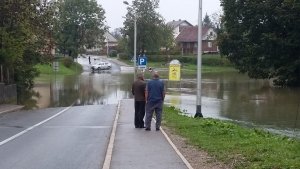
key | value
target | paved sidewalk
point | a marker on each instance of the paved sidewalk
(137, 148)
(5, 108)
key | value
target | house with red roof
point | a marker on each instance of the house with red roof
(186, 37)
(187, 40)
(177, 26)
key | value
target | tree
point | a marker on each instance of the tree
(80, 23)
(207, 22)
(262, 38)
(150, 25)
(23, 25)
(216, 20)
(167, 37)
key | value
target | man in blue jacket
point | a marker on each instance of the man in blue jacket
(155, 95)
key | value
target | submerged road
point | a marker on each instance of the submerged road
(56, 138)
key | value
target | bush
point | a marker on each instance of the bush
(124, 56)
(208, 59)
(67, 62)
(113, 53)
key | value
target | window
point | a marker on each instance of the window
(209, 44)
(188, 45)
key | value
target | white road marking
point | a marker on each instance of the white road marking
(108, 156)
(80, 127)
(32, 127)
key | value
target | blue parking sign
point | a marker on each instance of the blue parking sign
(142, 62)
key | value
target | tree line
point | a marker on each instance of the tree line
(31, 29)
(262, 38)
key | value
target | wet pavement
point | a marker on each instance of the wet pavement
(137, 148)
(131, 148)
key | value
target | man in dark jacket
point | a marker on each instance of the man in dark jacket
(155, 95)
(138, 90)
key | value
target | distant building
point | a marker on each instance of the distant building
(187, 40)
(177, 26)
(186, 37)
(110, 40)
(110, 43)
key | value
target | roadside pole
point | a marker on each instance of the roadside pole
(199, 62)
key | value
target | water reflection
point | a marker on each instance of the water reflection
(235, 96)
(226, 96)
(86, 89)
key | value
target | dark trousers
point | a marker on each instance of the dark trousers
(139, 107)
(151, 107)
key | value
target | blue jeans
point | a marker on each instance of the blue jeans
(150, 108)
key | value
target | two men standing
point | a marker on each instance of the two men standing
(154, 94)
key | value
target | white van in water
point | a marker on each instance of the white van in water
(101, 66)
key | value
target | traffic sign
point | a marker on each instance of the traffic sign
(142, 61)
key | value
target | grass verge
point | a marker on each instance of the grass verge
(75, 68)
(233, 144)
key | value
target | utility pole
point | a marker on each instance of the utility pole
(135, 35)
(199, 62)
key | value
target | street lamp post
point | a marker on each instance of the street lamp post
(134, 48)
(199, 62)
(134, 43)
(107, 49)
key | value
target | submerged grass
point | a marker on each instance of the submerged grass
(236, 145)
(74, 68)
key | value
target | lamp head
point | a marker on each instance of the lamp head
(125, 2)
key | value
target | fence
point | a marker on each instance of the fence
(8, 90)
(6, 75)
(8, 93)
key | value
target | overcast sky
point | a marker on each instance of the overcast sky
(115, 10)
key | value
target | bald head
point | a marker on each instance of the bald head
(155, 75)
(140, 76)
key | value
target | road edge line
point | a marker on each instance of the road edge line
(108, 156)
(185, 161)
(32, 127)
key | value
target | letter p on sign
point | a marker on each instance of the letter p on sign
(143, 61)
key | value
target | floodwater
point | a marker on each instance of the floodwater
(229, 96)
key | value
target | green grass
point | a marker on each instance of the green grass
(189, 69)
(233, 144)
(75, 68)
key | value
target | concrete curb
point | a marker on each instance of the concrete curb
(186, 162)
(9, 108)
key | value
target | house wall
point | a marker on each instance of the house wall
(213, 48)
(210, 35)
(192, 47)
(176, 31)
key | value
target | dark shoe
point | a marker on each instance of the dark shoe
(147, 129)
(142, 127)
(157, 129)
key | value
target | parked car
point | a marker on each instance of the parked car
(101, 66)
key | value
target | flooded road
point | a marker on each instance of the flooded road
(224, 95)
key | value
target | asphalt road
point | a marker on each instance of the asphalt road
(56, 138)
